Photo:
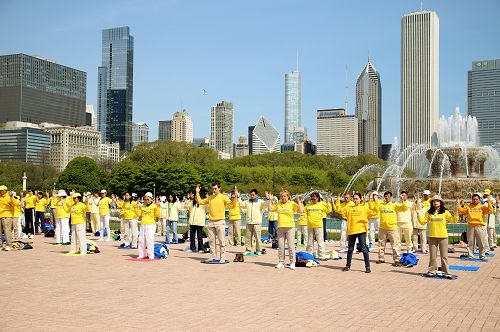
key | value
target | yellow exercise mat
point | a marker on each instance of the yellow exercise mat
(56, 244)
(73, 255)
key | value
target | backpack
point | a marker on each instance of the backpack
(19, 245)
(92, 247)
(161, 251)
(463, 237)
(49, 230)
(408, 259)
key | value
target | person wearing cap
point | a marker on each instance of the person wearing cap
(40, 206)
(422, 205)
(315, 210)
(343, 226)
(29, 213)
(63, 209)
(216, 220)
(254, 208)
(490, 220)
(7, 205)
(104, 205)
(127, 210)
(374, 221)
(78, 217)
(476, 225)
(437, 216)
(162, 221)
(148, 212)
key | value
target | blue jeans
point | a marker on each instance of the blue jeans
(272, 229)
(362, 242)
(173, 224)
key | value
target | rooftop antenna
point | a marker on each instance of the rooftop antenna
(346, 89)
(421, 6)
(368, 55)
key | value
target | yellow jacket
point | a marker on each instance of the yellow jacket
(357, 217)
(104, 206)
(302, 219)
(374, 206)
(286, 213)
(475, 213)
(405, 217)
(41, 204)
(316, 213)
(17, 209)
(78, 213)
(63, 208)
(6, 206)
(127, 210)
(342, 205)
(235, 209)
(421, 208)
(437, 226)
(30, 201)
(216, 205)
(388, 214)
(53, 201)
(197, 214)
(148, 213)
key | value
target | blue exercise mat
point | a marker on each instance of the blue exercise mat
(488, 254)
(463, 268)
(439, 276)
(215, 261)
(472, 259)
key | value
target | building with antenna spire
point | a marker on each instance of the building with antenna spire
(369, 110)
(293, 100)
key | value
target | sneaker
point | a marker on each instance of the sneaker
(448, 276)
(140, 257)
(83, 253)
(342, 250)
(123, 245)
(66, 243)
(280, 266)
(492, 248)
(71, 252)
(368, 270)
(430, 274)
(258, 253)
(201, 251)
(397, 264)
(188, 250)
(380, 262)
(30, 236)
(345, 268)
(133, 247)
(7, 248)
(425, 252)
(291, 266)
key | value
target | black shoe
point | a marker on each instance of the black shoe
(368, 270)
(380, 262)
(397, 264)
(346, 268)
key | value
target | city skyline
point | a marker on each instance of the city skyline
(202, 54)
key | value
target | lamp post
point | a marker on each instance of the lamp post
(154, 190)
(24, 181)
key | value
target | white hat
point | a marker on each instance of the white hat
(163, 198)
(427, 192)
(14, 193)
(61, 193)
(375, 193)
(88, 193)
(103, 191)
(148, 194)
(134, 195)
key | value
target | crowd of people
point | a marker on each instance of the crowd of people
(418, 222)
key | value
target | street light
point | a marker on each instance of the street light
(154, 190)
(24, 181)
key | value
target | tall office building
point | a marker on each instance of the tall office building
(182, 127)
(37, 90)
(221, 128)
(419, 79)
(265, 138)
(337, 133)
(293, 115)
(483, 99)
(241, 148)
(24, 141)
(90, 117)
(165, 130)
(115, 87)
(369, 111)
(140, 133)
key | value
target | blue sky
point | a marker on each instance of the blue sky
(240, 51)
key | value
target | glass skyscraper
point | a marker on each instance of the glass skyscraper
(292, 105)
(483, 99)
(115, 87)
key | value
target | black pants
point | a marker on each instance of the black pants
(39, 220)
(28, 221)
(198, 230)
(324, 229)
(362, 241)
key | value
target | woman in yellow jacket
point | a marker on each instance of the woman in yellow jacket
(315, 211)
(234, 227)
(63, 208)
(286, 209)
(127, 209)
(148, 212)
(78, 214)
(357, 226)
(17, 211)
(437, 217)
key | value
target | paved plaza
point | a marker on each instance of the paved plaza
(41, 290)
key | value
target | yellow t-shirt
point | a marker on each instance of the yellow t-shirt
(216, 205)
(388, 215)
(17, 209)
(475, 213)
(41, 204)
(6, 206)
(78, 213)
(286, 213)
(148, 213)
(30, 201)
(53, 202)
(357, 217)
(302, 219)
(128, 210)
(104, 206)
(437, 223)
(316, 213)
(63, 208)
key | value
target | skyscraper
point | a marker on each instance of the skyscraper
(182, 127)
(36, 90)
(369, 110)
(221, 127)
(140, 133)
(265, 138)
(115, 87)
(419, 78)
(165, 130)
(293, 115)
(483, 99)
(337, 133)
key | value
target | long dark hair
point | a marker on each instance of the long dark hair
(131, 199)
(442, 208)
(195, 201)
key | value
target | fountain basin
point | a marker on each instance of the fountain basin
(464, 162)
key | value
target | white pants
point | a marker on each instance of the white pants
(147, 241)
(131, 232)
(62, 230)
(105, 225)
(373, 225)
(343, 235)
(78, 241)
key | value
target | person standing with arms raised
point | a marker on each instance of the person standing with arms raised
(216, 220)
(254, 210)
(104, 205)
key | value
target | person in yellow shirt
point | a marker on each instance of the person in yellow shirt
(489, 219)
(437, 217)
(127, 210)
(17, 212)
(40, 205)
(405, 221)
(63, 209)
(357, 226)
(476, 226)
(343, 226)
(29, 213)
(216, 221)
(374, 221)
(53, 204)
(234, 226)
(173, 207)
(421, 206)
(78, 214)
(6, 207)
(148, 212)
(104, 206)
(301, 230)
(286, 209)
(272, 225)
(315, 211)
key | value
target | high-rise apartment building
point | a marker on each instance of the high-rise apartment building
(140, 133)
(24, 141)
(293, 115)
(483, 99)
(221, 128)
(337, 133)
(265, 138)
(419, 79)
(165, 130)
(182, 127)
(37, 90)
(115, 87)
(369, 110)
